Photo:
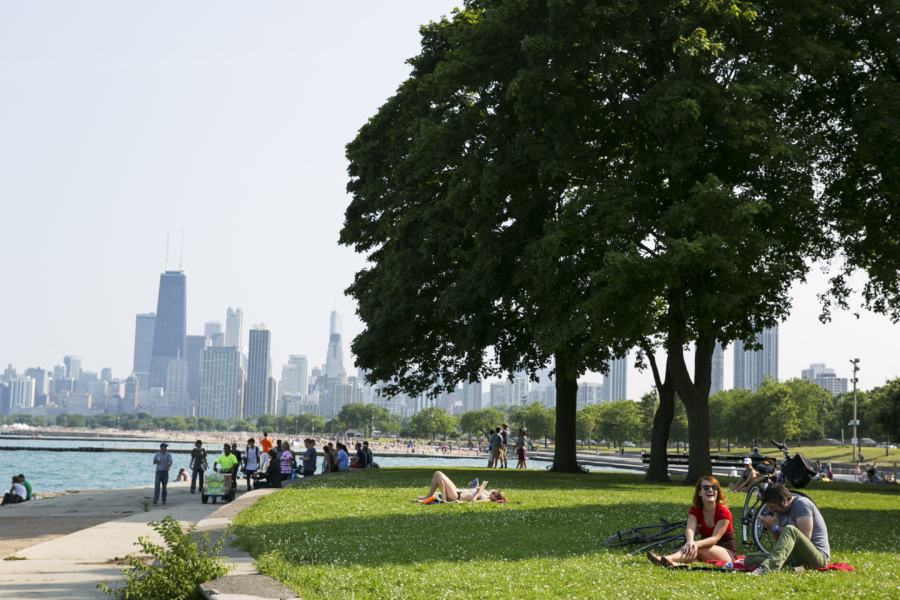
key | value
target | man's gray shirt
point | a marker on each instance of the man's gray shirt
(803, 507)
(496, 441)
(165, 461)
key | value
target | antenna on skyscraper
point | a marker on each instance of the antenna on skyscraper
(181, 258)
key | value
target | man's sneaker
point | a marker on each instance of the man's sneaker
(760, 570)
(192, 491)
(154, 502)
(164, 501)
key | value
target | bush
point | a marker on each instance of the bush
(181, 567)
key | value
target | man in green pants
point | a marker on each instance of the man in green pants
(800, 531)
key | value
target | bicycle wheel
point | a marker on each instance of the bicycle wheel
(637, 535)
(663, 545)
(762, 537)
(752, 504)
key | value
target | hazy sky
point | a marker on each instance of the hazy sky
(122, 121)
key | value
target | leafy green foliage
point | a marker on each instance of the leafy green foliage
(183, 565)
(479, 422)
(432, 422)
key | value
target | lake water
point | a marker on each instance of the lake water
(61, 471)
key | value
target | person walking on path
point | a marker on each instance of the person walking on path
(251, 461)
(266, 443)
(198, 465)
(504, 433)
(163, 462)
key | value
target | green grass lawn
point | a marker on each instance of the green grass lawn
(359, 536)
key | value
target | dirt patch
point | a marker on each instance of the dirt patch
(145, 560)
(19, 533)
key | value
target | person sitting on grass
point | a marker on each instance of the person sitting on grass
(799, 530)
(748, 478)
(874, 478)
(710, 517)
(359, 461)
(450, 493)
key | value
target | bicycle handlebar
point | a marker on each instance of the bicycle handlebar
(781, 447)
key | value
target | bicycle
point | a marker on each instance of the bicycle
(752, 531)
(648, 537)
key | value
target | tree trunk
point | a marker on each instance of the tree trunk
(694, 395)
(658, 469)
(564, 458)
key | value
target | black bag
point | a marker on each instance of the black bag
(798, 471)
(765, 467)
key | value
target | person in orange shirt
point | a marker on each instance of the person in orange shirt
(265, 443)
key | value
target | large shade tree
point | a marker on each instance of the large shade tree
(570, 180)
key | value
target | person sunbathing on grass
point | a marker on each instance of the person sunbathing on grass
(711, 518)
(450, 493)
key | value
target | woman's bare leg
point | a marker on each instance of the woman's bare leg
(436, 480)
(713, 553)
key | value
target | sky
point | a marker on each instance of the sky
(122, 124)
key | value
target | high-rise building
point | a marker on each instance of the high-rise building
(130, 400)
(106, 374)
(516, 389)
(299, 361)
(234, 323)
(193, 356)
(220, 383)
(73, 367)
(717, 382)
(751, 367)
(334, 364)
(336, 325)
(212, 328)
(98, 389)
(498, 393)
(471, 396)
(177, 387)
(589, 394)
(4, 398)
(823, 377)
(41, 380)
(257, 396)
(9, 374)
(21, 393)
(616, 385)
(143, 347)
(290, 381)
(59, 372)
(171, 325)
(85, 379)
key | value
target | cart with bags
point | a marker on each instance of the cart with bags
(217, 485)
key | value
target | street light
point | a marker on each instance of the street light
(524, 403)
(855, 421)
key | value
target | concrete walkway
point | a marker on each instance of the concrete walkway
(71, 566)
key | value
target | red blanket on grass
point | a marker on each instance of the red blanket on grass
(740, 566)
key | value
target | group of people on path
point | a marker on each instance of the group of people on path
(265, 465)
(499, 444)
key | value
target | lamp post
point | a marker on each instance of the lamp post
(842, 419)
(855, 422)
(372, 429)
(332, 421)
(524, 404)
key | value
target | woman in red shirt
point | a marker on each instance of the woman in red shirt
(710, 518)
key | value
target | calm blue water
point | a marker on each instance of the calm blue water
(61, 471)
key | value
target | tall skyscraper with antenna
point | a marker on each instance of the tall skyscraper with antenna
(170, 326)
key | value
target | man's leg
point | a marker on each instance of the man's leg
(793, 548)
(156, 484)
(249, 472)
(164, 480)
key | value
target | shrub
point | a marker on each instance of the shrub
(182, 566)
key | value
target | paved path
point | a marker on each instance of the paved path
(70, 567)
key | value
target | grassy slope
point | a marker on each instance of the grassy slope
(359, 536)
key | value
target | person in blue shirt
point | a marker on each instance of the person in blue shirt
(163, 462)
(309, 458)
(343, 459)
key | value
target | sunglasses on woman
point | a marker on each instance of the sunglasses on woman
(706, 488)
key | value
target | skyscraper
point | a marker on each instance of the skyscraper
(818, 374)
(41, 380)
(234, 322)
(143, 347)
(337, 323)
(220, 383)
(73, 367)
(59, 372)
(717, 383)
(751, 367)
(21, 393)
(171, 325)
(130, 400)
(290, 381)
(177, 387)
(299, 361)
(257, 395)
(471, 396)
(616, 385)
(212, 328)
(106, 374)
(193, 356)
(334, 365)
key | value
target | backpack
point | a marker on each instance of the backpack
(766, 467)
(798, 471)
